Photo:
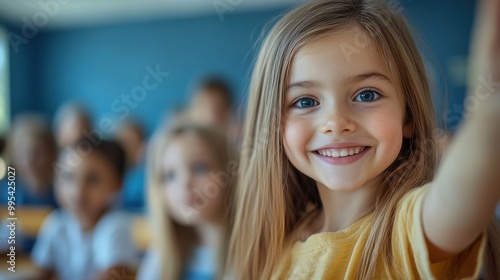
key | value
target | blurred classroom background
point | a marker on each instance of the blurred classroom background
(96, 51)
(140, 62)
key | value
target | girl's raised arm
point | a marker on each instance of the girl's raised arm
(464, 194)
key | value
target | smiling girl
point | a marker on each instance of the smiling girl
(340, 181)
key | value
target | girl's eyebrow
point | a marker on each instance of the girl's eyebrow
(351, 79)
(368, 75)
(302, 84)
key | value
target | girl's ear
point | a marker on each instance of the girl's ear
(408, 130)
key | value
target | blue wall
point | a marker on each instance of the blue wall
(445, 27)
(98, 65)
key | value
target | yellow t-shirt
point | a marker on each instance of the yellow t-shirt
(336, 255)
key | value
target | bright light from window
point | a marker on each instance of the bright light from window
(3, 168)
(4, 82)
(3, 55)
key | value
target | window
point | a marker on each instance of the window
(4, 82)
(4, 92)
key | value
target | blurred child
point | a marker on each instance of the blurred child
(131, 137)
(212, 104)
(87, 238)
(32, 151)
(191, 173)
(340, 182)
(71, 123)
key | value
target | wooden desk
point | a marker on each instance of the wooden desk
(141, 233)
(29, 219)
(25, 269)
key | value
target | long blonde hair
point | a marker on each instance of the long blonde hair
(272, 195)
(171, 241)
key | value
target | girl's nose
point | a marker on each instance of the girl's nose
(337, 120)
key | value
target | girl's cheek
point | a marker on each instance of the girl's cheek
(292, 136)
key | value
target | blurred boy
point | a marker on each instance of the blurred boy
(87, 239)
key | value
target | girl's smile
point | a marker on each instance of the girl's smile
(345, 153)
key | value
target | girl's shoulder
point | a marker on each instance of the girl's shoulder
(413, 197)
(409, 207)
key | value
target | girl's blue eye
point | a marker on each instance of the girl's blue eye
(367, 96)
(306, 102)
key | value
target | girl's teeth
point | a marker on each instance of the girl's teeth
(340, 153)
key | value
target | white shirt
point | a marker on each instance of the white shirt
(77, 255)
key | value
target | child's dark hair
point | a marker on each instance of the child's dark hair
(218, 85)
(110, 150)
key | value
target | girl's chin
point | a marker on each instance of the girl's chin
(341, 188)
(339, 185)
